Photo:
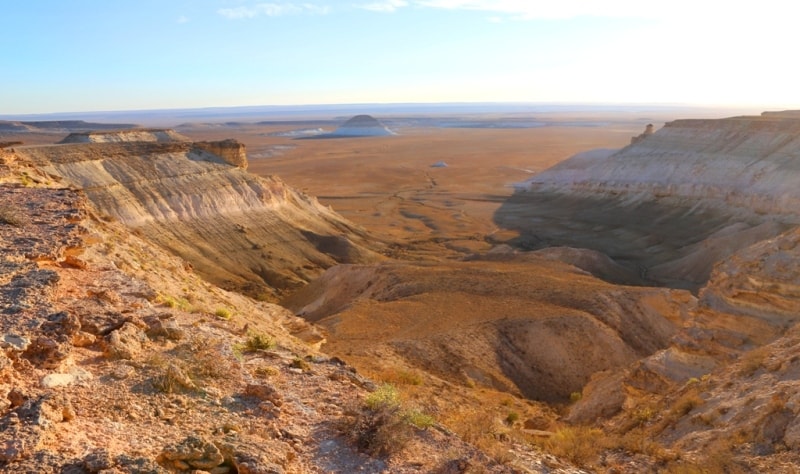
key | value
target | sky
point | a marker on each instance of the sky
(102, 55)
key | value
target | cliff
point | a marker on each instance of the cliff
(743, 163)
(671, 204)
(238, 230)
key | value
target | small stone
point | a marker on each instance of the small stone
(57, 380)
(125, 342)
(14, 342)
(122, 372)
(83, 339)
(97, 461)
(11, 450)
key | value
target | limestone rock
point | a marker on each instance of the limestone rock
(14, 342)
(192, 452)
(264, 392)
(47, 352)
(231, 151)
(165, 328)
(125, 342)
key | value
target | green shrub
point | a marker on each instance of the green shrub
(385, 396)
(512, 417)
(259, 342)
(223, 313)
(418, 419)
(382, 426)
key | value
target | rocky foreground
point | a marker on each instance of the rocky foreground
(117, 357)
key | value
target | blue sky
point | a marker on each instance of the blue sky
(93, 55)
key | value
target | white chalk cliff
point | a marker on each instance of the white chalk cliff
(672, 203)
(750, 163)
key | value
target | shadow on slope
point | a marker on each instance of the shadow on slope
(670, 242)
(535, 327)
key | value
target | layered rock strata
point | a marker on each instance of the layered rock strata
(239, 230)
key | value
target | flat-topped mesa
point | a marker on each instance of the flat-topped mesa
(230, 150)
(158, 135)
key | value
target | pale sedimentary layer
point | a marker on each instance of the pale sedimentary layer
(239, 230)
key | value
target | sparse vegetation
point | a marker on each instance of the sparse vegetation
(382, 425)
(223, 313)
(512, 417)
(173, 302)
(258, 342)
(301, 364)
(581, 445)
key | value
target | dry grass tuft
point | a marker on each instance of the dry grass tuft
(581, 445)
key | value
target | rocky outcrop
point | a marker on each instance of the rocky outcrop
(239, 230)
(229, 150)
(761, 281)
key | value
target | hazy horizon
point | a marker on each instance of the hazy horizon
(91, 55)
(332, 112)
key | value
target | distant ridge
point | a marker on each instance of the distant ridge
(58, 125)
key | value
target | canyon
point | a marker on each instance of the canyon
(624, 310)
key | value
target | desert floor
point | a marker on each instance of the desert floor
(389, 186)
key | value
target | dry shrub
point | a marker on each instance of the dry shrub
(686, 403)
(379, 428)
(382, 426)
(400, 377)
(581, 445)
(751, 361)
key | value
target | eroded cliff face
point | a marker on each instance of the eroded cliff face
(750, 163)
(238, 230)
(674, 202)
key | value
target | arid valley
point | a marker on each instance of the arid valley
(558, 291)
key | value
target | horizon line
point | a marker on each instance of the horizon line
(323, 106)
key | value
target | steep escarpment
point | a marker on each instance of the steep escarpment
(672, 203)
(240, 231)
(745, 162)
